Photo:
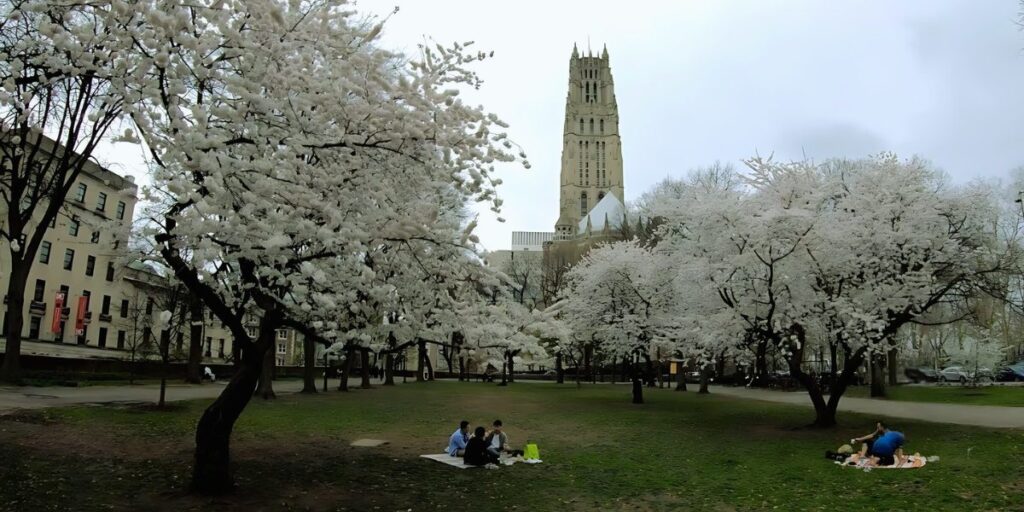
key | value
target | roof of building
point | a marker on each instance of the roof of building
(610, 208)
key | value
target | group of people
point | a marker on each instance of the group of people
(883, 447)
(483, 447)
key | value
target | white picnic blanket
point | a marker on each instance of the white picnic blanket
(456, 462)
(912, 462)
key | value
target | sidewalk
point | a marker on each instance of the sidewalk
(977, 415)
(29, 397)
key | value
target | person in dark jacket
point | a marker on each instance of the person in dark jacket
(476, 450)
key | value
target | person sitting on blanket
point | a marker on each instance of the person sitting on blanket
(884, 446)
(458, 440)
(476, 450)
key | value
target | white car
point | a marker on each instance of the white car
(954, 374)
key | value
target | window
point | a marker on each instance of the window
(80, 193)
(250, 331)
(95, 238)
(44, 252)
(37, 296)
(120, 340)
(120, 210)
(90, 265)
(220, 349)
(74, 225)
(83, 338)
(600, 125)
(581, 127)
(106, 305)
(583, 204)
(282, 334)
(69, 259)
(149, 305)
(281, 348)
(209, 346)
(591, 125)
(110, 271)
(102, 340)
(101, 202)
(180, 342)
(33, 327)
(124, 308)
(280, 361)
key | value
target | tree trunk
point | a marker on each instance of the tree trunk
(309, 366)
(761, 366)
(588, 360)
(892, 366)
(559, 371)
(429, 365)
(364, 359)
(877, 377)
(326, 368)
(511, 367)
(638, 386)
(211, 473)
(680, 377)
(705, 375)
(462, 368)
(389, 369)
(345, 369)
(10, 370)
(165, 357)
(421, 360)
(266, 380)
(193, 370)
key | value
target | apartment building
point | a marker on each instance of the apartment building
(84, 301)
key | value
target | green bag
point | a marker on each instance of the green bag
(530, 452)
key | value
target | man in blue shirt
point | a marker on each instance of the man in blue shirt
(457, 441)
(884, 446)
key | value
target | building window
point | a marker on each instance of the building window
(110, 271)
(591, 125)
(102, 340)
(44, 252)
(101, 202)
(220, 349)
(33, 327)
(149, 305)
(209, 346)
(95, 238)
(90, 265)
(581, 126)
(124, 308)
(120, 210)
(120, 340)
(69, 259)
(106, 305)
(600, 124)
(282, 334)
(80, 193)
(37, 296)
(74, 225)
(280, 361)
(281, 348)
(82, 339)
(583, 204)
(180, 342)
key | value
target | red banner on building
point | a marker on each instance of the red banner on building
(83, 306)
(58, 309)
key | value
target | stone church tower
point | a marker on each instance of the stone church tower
(591, 147)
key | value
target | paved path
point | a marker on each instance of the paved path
(28, 397)
(978, 415)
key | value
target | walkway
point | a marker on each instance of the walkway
(977, 415)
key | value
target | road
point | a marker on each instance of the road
(977, 415)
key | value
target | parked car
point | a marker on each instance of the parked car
(1010, 372)
(954, 374)
(922, 374)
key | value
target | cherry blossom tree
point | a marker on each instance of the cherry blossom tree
(57, 63)
(279, 131)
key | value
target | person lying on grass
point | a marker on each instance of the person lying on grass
(884, 446)
(476, 453)
(458, 440)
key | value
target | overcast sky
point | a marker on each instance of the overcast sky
(700, 81)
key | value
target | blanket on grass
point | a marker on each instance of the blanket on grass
(456, 462)
(912, 462)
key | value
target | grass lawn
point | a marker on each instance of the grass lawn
(1011, 396)
(680, 451)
